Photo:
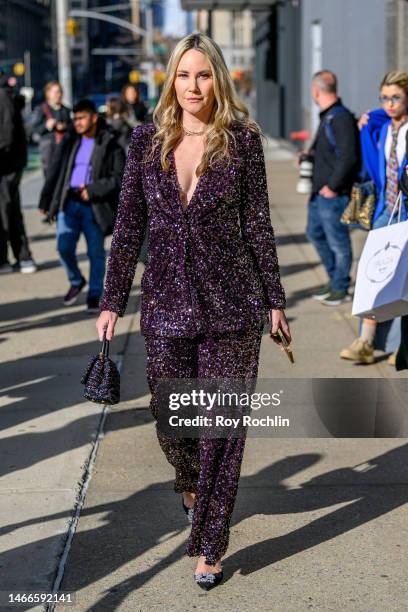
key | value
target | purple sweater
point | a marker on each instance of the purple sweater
(212, 267)
(82, 170)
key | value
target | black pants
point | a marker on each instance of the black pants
(12, 228)
(47, 148)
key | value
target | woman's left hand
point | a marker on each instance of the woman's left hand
(279, 321)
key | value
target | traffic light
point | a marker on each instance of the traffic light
(159, 77)
(19, 69)
(72, 27)
(134, 76)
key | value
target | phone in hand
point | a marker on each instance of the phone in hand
(280, 338)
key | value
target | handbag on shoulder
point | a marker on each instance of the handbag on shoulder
(101, 378)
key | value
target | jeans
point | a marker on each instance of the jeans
(384, 219)
(331, 238)
(77, 218)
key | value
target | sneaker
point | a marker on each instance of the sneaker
(392, 359)
(335, 298)
(360, 351)
(92, 305)
(27, 266)
(6, 268)
(72, 295)
(322, 293)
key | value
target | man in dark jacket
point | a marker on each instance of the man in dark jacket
(336, 152)
(13, 158)
(82, 192)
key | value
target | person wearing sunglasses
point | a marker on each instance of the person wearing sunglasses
(389, 154)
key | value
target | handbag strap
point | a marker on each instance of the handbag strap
(398, 204)
(105, 347)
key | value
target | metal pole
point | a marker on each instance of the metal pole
(27, 79)
(135, 16)
(316, 36)
(149, 49)
(210, 23)
(27, 69)
(64, 52)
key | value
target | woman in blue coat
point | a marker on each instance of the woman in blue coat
(383, 137)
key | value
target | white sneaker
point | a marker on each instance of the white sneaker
(27, 266)
(6, 268)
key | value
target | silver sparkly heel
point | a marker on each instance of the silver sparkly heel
(189, 511)
(208, 580)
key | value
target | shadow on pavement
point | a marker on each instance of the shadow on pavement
(67, 316)
(130, 528)
(44, 384)
(287, 270)
(285, 239)
(24, 309)
(42, 237)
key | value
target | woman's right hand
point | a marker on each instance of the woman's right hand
(106, 324)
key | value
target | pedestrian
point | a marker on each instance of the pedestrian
(196, 176)
(336, 160)
(391, 160)
(13, 158)
(135, 109)
(81, 192)
(50, 122)
(401, 360)
(116, 118)
(402, 354)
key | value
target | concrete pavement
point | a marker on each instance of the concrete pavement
(317, 522)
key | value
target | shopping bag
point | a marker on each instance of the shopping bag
(381, 291)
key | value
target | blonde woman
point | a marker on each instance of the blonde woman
(196, 176)
(390, 155)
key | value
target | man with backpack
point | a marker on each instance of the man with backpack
(336, 155)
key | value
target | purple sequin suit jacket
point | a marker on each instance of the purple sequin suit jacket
(212, 267)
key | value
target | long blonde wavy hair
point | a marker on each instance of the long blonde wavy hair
(227, 109)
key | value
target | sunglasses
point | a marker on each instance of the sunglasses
(393, 99)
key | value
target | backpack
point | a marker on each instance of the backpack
(329, 132)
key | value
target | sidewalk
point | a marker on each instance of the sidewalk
(317, 522)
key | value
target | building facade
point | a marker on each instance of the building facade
(103, 54)
(26, 25)
(359, 40)
(233, 31)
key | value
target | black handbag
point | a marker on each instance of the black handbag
(101, 378)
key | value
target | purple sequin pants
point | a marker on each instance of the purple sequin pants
(208, 467)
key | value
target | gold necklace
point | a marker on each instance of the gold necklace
(190, 133)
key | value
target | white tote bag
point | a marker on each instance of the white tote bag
(381, 291)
